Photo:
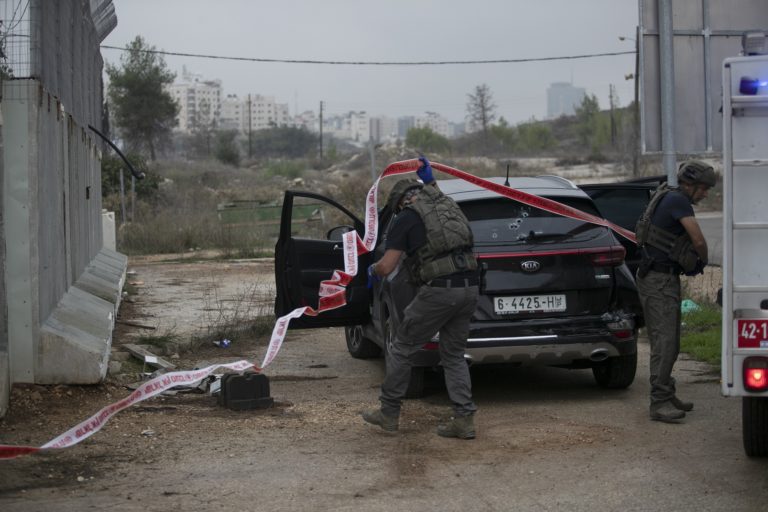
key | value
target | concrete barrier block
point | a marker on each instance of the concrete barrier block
(73, 351)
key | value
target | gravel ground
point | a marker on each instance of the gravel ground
(548, 439)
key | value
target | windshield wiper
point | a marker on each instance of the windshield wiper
(540, 235)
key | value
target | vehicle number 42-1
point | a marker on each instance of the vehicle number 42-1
(752, 333)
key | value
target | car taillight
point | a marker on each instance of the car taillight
(609, 257)
(756, 374)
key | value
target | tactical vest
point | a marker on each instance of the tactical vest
(448, 248)
(677, 247)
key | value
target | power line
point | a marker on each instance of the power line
(376, 63)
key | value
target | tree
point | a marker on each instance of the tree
(534, 136)
(144, 111)
(481, 110)
(226, 150)
(203, 130)
(426, 140)
(592, 128)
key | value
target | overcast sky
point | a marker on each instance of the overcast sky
(392, 30)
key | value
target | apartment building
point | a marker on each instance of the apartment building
(253, 112)
(199, 101)
(436, 123)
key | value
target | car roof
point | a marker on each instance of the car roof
(545, 186)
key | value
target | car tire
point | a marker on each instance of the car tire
(358, 345)
(616, 372)
(754, 424)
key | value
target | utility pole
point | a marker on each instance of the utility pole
(250, 126)
(667, 78)
(321, 130)
(373, 157)
(636, 110)
(613, 119)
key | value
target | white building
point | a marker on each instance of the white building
(384, 129)
(199, 101)
(353, 126)
(264, 113)
(436, 123)
(307, 120)
(231, 114)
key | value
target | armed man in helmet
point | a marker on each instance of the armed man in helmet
(672, 244)
(435, 237)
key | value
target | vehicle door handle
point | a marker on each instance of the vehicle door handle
(336, 247)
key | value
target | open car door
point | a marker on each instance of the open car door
(623, 203)
(308, 250)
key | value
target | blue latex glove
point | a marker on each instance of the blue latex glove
(425, 171)
(372, 278)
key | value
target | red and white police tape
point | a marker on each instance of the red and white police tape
(332, 295)
(152, 387)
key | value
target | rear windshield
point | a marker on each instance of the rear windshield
(502, 220)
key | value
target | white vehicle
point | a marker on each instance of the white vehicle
(745, 239)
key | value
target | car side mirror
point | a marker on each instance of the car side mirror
(336, 234)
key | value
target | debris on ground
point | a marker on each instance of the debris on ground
(148, 357)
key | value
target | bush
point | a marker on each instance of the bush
(226, 148)
(290, 169)
(111, 165)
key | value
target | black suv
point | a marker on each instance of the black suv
(553, 290)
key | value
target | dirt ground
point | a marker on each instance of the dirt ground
(548, 439)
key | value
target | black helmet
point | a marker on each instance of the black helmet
(696, 172)
(399, 190)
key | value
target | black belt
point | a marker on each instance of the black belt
(665, 269)
(454, 282)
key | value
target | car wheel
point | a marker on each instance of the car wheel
(416, 384)
(616, 372)
(754, 425)
(358, 345)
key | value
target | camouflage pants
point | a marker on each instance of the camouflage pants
(660, 296)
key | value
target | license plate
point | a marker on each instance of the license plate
(752, 333)
(529, 304)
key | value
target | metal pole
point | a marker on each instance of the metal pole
(373, 157)
(321, 130)
(636, 110)
(667, 69)
(707, 78)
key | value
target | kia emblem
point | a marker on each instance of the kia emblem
(530, 266)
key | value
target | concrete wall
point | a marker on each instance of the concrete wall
(60, 287)
(63, 285)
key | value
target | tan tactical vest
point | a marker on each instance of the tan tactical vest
(448, 248)
(678, 247)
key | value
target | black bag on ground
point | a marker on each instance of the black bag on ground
(245, 391)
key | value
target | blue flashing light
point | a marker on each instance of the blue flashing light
(749, 86)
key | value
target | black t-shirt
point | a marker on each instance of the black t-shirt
(407, 232)
(672, 207)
